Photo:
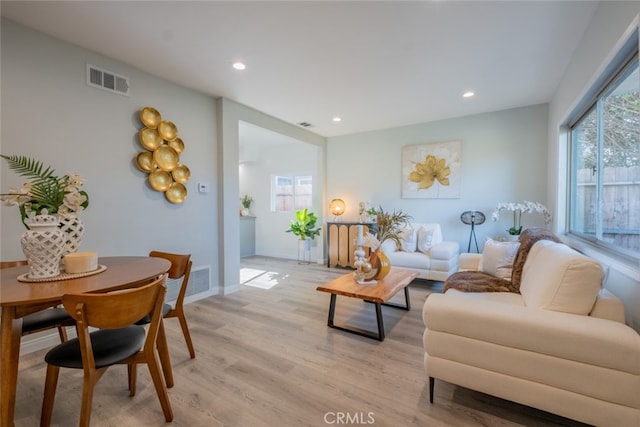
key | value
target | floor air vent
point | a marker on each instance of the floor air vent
(106, 80)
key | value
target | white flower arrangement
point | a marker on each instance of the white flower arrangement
(518, 209)
(45, 191)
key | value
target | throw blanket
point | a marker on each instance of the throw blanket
(478, 281)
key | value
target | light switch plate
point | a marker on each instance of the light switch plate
(203, 187)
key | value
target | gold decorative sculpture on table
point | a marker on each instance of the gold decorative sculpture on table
(161, 158)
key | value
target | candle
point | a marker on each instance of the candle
(80, 262)
(360, 231)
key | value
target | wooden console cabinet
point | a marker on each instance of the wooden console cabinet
(341, 238)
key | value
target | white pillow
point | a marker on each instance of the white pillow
(425, 239)
(497, 258)
(408, 239)
(388, 246)
(556, 277)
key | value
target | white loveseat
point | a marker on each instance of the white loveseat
(423, 249)
(559, 345)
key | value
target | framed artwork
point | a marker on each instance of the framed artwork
(431, 171)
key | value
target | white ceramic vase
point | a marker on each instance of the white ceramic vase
(43, 245)
(73, 229)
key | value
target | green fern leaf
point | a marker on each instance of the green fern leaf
(28, 167)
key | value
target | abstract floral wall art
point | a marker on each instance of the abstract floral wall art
(431, 171)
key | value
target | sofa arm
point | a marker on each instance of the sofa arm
(608, 306)
(567, 336)
(444, 250)
(469, 262)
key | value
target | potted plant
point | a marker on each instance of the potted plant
(53, 205)
(304, 226)
(518, 209)
(389, 226)
(58, 195)
(246, 201)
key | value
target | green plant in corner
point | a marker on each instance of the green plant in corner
(304, 225)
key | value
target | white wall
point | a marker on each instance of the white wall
(612, 23)
(49, 113)
(503, 159)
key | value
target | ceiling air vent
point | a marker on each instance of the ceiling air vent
(107, 80)
(305, 124)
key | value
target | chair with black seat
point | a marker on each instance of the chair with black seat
(42, 320)
(117, 341)
(180, 268)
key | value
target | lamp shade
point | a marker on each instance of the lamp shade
(472, 217)
(337, 207)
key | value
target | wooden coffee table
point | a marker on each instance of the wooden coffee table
(378, 294)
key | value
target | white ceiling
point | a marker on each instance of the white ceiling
(376, 64)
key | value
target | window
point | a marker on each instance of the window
(605, 162)
(291, 193)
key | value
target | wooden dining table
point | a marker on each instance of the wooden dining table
(19, 298)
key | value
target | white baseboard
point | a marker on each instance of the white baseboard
(231, 289)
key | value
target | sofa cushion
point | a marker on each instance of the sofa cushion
(556, 277)
(445, 251)
(437, 231)
(409, 260)
(408, 239)
(497, 258)
(388, 246)
(425, 239)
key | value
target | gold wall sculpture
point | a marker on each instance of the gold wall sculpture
(161, 158)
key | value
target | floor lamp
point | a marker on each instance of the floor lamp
(472, 218)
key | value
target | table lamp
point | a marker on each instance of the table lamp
(337, 208)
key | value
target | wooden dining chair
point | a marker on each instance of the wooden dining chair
(117, 341)
(48, 318)
(180, 269)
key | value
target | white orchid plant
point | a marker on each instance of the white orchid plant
(45, 191)
(518, 209)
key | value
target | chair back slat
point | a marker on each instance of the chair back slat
(179, 263)
(116, 309)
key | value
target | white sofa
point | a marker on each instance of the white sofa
(559, 345)
(424, 250)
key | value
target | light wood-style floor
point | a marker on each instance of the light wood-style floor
(265, 357)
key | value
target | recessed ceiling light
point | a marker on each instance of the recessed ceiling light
(337, 119)
(239, 65)
(468, 94)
